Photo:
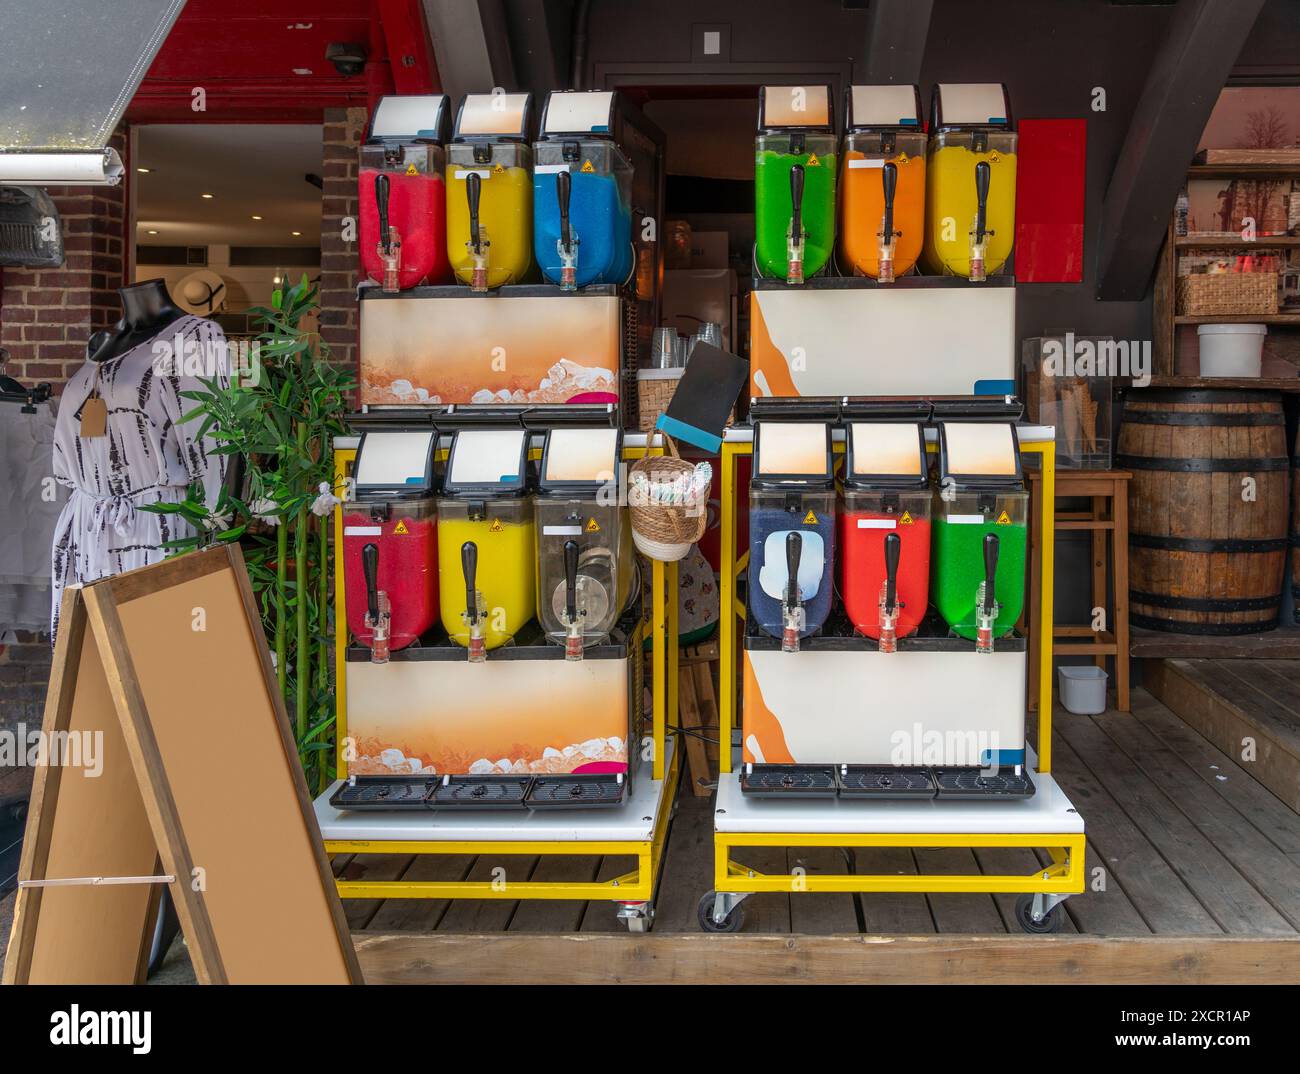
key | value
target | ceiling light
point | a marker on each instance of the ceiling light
(152, 231)
(143, 171)
(295, 233)
(207, 196)
(256, 217)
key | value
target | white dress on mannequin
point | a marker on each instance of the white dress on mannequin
(147, 455)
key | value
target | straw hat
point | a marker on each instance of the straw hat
(202, 293)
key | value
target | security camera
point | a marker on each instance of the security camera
(348, 58)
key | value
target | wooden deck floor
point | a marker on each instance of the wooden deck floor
(1182, 843)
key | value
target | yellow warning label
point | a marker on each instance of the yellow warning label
(906, 520)
(812, 160)
(994, 158)
(903, 158)
(496, 526)
(587, 167)
(593, 526)
(401, 527)
(411, 169)
(810, 519)
(497, 169)
(1004, 519)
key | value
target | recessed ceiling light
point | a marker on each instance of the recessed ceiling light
(152, 231)
(295, 233)
(256, 217)
(207, 195)
(143, 171)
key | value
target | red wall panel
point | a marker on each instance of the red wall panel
(1051, 169)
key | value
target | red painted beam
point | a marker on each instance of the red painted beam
(410, 48)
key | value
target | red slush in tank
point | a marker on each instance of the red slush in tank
(406, 547)
(867, 520)
(417, 209)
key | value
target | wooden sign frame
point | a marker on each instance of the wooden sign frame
(163, 678)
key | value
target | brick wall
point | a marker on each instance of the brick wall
(344, 130)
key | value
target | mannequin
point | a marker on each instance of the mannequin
(147, 309)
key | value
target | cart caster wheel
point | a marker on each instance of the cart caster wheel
(730, 923)
(640, 924)
(1050, 923)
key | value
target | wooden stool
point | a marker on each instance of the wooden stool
(1074, 640)
(697, 708)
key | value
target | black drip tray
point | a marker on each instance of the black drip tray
(381, 792)
(788, 781)
(481, 792)
(884, 781)
(577, 792)
(978, 783)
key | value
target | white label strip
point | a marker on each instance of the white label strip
(482, 173)
(964, 520)
(549, 169)
(877, 524)
(561, 531)
(870, 162)
(362, 531)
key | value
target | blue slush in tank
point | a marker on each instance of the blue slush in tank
(582, 194)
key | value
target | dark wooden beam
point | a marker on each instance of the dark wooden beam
(896, 41)
(1186, 75)
(471, 46)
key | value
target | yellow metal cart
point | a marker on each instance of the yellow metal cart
(637, 830)
(1046, 822)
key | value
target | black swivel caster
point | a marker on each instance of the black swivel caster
(730, 923)
(1049, 923)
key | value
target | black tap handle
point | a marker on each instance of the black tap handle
(889, 180)
(990, 570)
(381, 200)
(793, 551)
(796, 200)
(469, 566)
(571, 579)
(982, 173)
(893, 550)
(563, 189)
(473, 190)
(370, 567)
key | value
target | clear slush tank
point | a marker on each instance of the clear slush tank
(596, 541)
(794, 203)
(502, 533)
(880, 168)
(961, 525)
(582, 211)
(489, 228)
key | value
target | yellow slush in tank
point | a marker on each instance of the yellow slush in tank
(970, 182)
(506, 542)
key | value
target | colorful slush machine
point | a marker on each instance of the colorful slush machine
(486, 553)
(980, 531)
(403, 202)
(582, 193)
(882, 182)
(390, 550)
(884, 553)
(791, 529)
(794, 183)
(585, 562)
(489, 191)
(971, 181)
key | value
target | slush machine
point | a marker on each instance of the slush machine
(390, 552)
(403, 205)
(882, 185)
(582, 193)
(485, 539)
(971, 181)
(489, 191)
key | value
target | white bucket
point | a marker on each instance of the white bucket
(1083, 689)
(1231, 350)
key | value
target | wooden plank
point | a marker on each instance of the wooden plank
(421, 915)
(687, 866)
(556, 915)
(891, 911)
(1012, 861)
(698, 958)
(1280, 644)
(1128, 856)
(767, 911)
(372, 868)
(822, 913)
(601, 915)
(488, 915)
(1230, 898)
(1263, 697)
(1189, 691)
(1103, 908)
(1271, 872)
(1266, 811)
(688, 711)
(968, 912)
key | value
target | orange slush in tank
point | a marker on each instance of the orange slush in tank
(882, 182)
(971, 182)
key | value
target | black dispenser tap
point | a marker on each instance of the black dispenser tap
(792, 618)
(888, 236)
(474, 611)
(378, 615)
(889, 603)
(572, 619)
(986, 605)
(390, 240)
(568, 241)
(980, 232)
(478, 242)
(794, 240)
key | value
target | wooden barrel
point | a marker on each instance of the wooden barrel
(1207, 546)
(1295, 531)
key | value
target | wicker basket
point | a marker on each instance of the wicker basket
(654, 391)
(662, 531)
(1226, 294)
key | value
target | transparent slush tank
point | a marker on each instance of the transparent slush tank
(605, 565)
(505, 210)
(862, 199)
(402, 532)
(417, 208)
(952, 175)
(600, 209)
(502, 533)
(960, 526)
(773, 515)
(777, 157)
(868, 518)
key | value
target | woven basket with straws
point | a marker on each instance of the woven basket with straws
(667, 498)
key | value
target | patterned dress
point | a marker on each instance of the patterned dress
(147, 456)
